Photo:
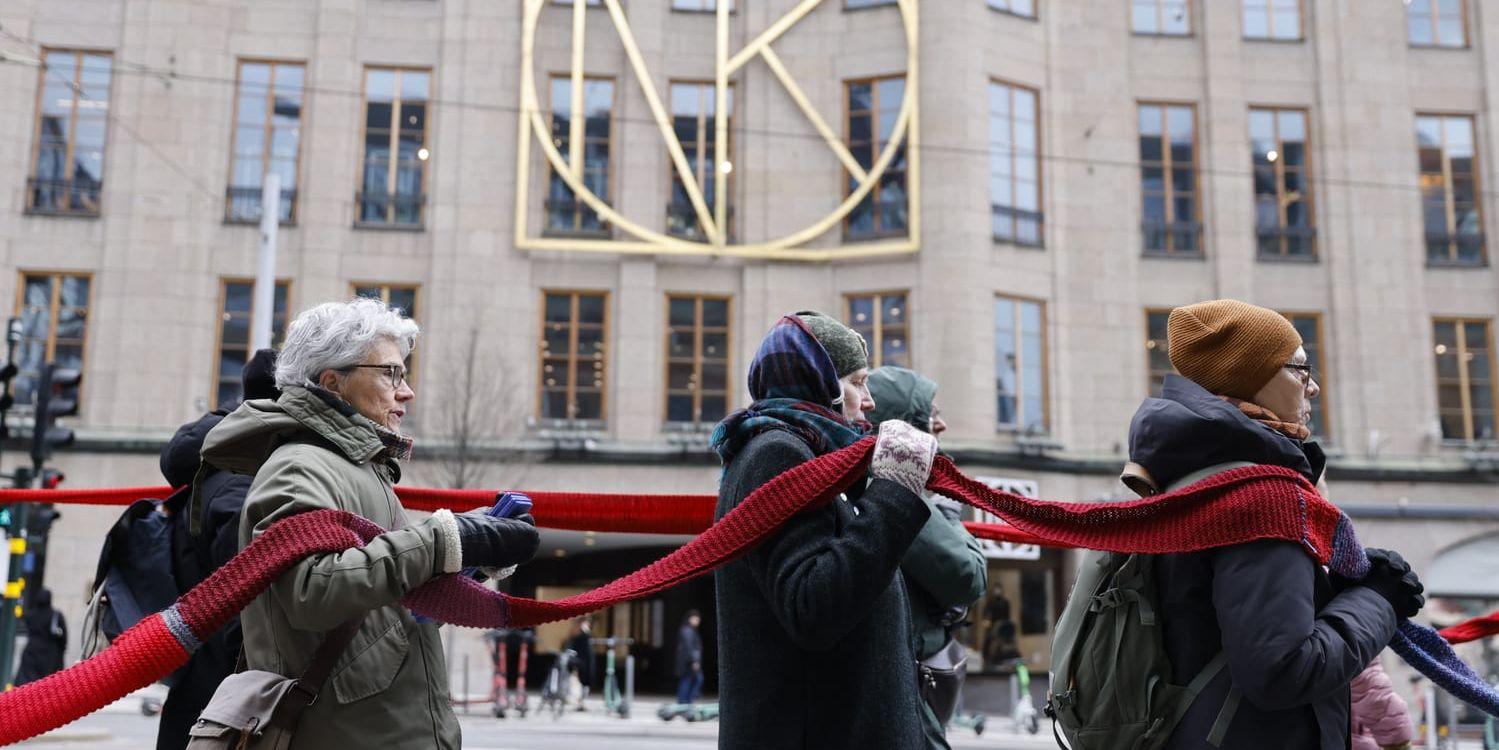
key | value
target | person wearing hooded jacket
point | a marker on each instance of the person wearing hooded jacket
(332, 441)
(46, 639)
(195, 556)
(1294, 637)
(814, 640)
(945, 568)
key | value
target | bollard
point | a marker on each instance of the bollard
(465, 684)
(1433, 718)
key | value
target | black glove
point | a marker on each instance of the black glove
(1391, 577)
(496, 542)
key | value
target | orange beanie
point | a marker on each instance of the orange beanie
(1229, 347)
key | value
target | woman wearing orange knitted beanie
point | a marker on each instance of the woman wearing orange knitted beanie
(1293, 638)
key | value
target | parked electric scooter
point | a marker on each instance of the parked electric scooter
(504, 700)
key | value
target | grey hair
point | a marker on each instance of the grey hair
(339, 334)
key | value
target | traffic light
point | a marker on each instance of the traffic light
(56, 396)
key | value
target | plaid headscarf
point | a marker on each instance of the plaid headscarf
(794, 387)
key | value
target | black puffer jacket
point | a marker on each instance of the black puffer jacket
(1293, 643)
(814, 631)
(194, 558)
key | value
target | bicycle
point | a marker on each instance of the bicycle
(1023, 713)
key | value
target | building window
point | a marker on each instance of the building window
(1168, 179)
(395, 147)
(1163, 17)
(694, 116)
(697, 359)
(873, 107)
(1465, 379)
(1020, 363)
(565, 213)
(267, 138)
(866, 3)
(235, 313)
(1272, 19)
(703, 6)
(1014, 164)
(1025, 8)
(67, 169)
(1437, 23)
(884, 320)
(1310, 328)
(1448, 154)
(1158, 359)
(574, 355)
(54, 319)
(401, 297)
(589, 3)
(1278, 145)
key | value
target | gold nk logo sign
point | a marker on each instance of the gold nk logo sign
(534, 129)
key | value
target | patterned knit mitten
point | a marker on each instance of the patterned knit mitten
(903, 454)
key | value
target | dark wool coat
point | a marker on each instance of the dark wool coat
(814, 626)
(1294, 644)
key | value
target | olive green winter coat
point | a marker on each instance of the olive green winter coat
(309, 451)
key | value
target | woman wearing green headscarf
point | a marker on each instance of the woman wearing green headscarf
(945, 569)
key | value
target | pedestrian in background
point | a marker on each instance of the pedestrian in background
(1381, 719)
(945, 568)
(46, 639)
(689, 659)
(814, 641)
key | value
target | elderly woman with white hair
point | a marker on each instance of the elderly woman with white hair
(333, 441)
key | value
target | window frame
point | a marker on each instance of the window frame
(32, 209)
(1464, 381)
(268, 131)
(1309, 198)
(704, 122)
(878, 233)
(1436, 34)
(218, 329)
(1160, 11)
(386, 287)
(53, 305)
(848, 5)
(1040, 242)
(876, 347)
(606, 229)
(1449, 202)
(572, 337)
(1301, 19)
(698, 299)
(1321, 405)
(1168, 182)
(1018, 427)
(393, 169)
(1151, 344)
(733, 7)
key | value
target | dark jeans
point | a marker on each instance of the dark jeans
(689, 686)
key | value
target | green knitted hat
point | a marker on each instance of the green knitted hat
(844, 345)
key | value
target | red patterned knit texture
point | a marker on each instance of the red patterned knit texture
(1472, 630)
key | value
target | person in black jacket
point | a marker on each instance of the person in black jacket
(46, 639)
(689, 666)
(813, 628)
(194, 558)
(1294, 637)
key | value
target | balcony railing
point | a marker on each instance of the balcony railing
(569, 217)
(1018, 226)
(62, 197)
(1172, 239)
(681, 221)
(242, 205)
(1459, 249)
(1287, 243)
(395, 210)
